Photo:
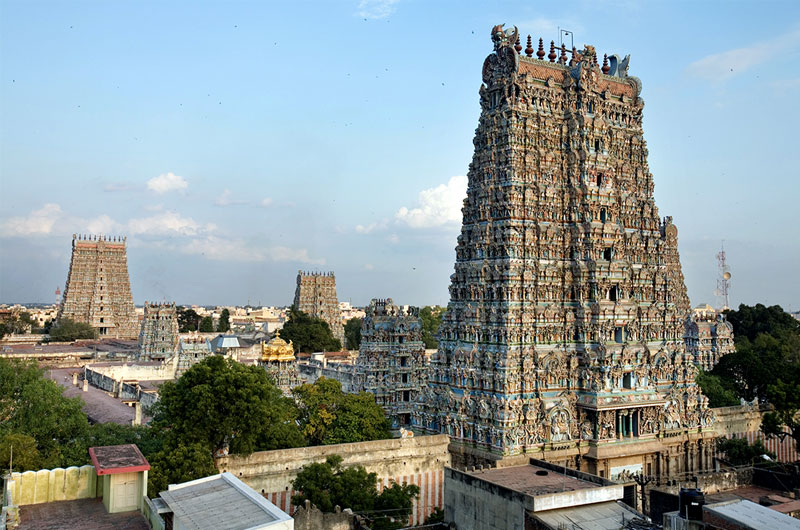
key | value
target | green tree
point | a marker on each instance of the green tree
(330, 416)
(431, 317)
(188, 320)
(34, 406)
(178, 464)
(352, 333)
(225, 405)
(20, 323)
(328, 484)
(784, 420)
(148, 440)
(751, 321)
(436, 516)
(207, 325)
(224, 323)
(719, 391)
(739, 453)
(67, 330)
(24, 451)
(309, 334)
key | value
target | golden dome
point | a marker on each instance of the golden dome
(277, 349)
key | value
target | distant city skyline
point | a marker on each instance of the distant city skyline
(237, 143)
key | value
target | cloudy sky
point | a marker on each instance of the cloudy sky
(234, 143)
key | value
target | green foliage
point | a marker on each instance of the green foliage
(309, 334)
(739, 453)
(785, 397)
(33, 406)
(328, 485)
(329, 416)
(436, 516)
(224, 323)
(19, 322)
(431, 317)
(767, 343)
(148, 440)
(179, 464)
(352, 333)
(720, 392)
(66, 330)
(188, 320)
(222, 404)
(24, 451)
(207, 325)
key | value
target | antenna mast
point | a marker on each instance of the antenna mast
(724, 279)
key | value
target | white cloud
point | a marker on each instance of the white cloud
(102, 225)
(369, 266)
(437, 206)
(167, 224)
(376, 8)
(167, 182)
(393, 239)
(725, 65)
(226, 199)
(265, 202)
(39, 222)
(224, 249)
(367, 229)
(119, 186)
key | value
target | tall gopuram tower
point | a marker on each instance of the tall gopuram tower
(563, 338)
(98, 290)
(316, 296)
(158, 336)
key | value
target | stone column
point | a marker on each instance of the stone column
(85, 385)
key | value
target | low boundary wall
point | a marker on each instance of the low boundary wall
(419, 460)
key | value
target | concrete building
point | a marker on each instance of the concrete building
(535, 496)
(98, 290)
(218, 501)
(122, 471)
(391, 361)
(564, 332)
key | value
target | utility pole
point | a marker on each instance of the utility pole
(642, 481)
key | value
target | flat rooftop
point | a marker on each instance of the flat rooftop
(533, 480)
(748, 514)
(84, 513)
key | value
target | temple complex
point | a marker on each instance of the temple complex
(708, 338)
(316, 296)
(277, 357)
(158, 337)
(564, 335)
(391, 360)
(98, 290)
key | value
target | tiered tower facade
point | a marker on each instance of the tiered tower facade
(316, 296)
(158, 337)
(98, 290)
(391, 361)
(277, 358)
(708, 339)
(564, 331)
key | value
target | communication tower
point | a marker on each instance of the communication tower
(724, 279)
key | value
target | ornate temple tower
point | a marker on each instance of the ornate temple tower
(98, 290)
(316, 296)
(563, 338)
(391, 360)
(277, 358)
(158, 336)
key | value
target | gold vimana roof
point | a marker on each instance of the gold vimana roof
(277, 349)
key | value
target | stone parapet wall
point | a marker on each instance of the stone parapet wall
(118, 387)
(51, 485)
(419, 460)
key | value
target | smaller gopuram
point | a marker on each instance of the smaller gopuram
(391, 361)
(708, 338)
(277, 357)
(98, 290)
(316, 296)
(158, 337)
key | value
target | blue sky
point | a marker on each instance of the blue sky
(237, 142)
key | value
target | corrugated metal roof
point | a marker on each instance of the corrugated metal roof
(751, 515)
(600, 516)
(221, 501)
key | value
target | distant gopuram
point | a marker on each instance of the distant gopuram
(563, 338)
(98, 290)
(316, 295)
(158, 336)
